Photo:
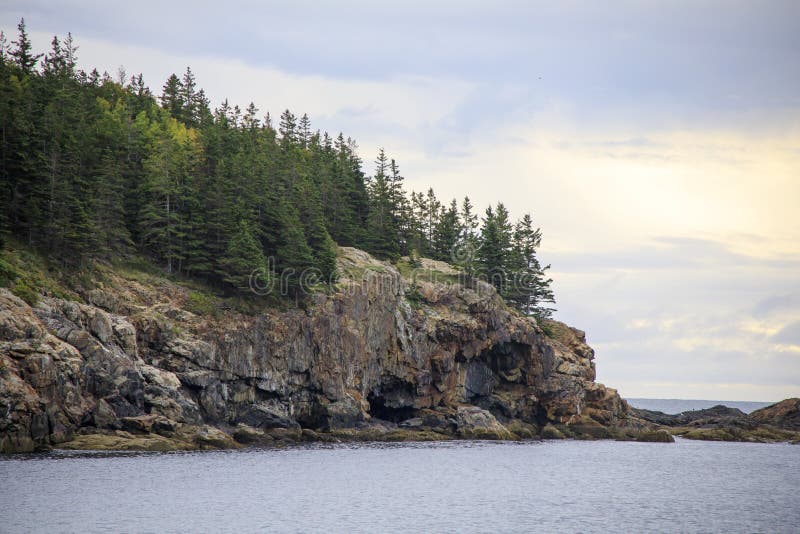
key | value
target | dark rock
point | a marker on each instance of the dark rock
(659, 418)
(261, 416)
(414, 422)
(656, 436)
(784, 414)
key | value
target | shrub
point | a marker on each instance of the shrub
(7, 273)
(200, 303)
(26, 293)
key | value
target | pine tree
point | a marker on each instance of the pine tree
(494, 255)
(417, 237)
(432, 212)
(383, 237)
(469, 221)
(22, 55)
(94, 167)
(4, 57)
(304, 131)
(188, 97)
(531, 290)
(348, 204)
(400, 206)
(243, 257)
(54, 63)
(466, 250)
(108, 178)
(288, 129)
(447, 232)
(70, 55)
(322, 247)
(172, 97)
(166, 170)
(294, 256)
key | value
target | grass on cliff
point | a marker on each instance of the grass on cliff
(415, 272)
(29, 275)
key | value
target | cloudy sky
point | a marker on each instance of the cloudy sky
(657, 144)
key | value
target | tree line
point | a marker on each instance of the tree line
(94, 167)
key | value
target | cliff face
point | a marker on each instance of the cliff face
(382, 357)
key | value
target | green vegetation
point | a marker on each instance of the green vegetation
(7, 273)
(201, 303)
(97, 168)
(29, 275)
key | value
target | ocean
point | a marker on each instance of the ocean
(551, 486)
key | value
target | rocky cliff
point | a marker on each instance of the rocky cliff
(383, 356)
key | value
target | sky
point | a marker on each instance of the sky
(657, 145)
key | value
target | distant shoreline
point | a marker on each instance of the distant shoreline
(675, 406)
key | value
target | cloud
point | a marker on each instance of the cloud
(776, 304)
(788, 335)
(673, 253)
(655, 144)
(658, 65)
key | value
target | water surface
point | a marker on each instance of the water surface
(445, 487)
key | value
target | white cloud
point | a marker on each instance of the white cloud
(362, 108)
(675, 247)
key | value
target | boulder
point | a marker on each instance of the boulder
(551, 432)
(475, 423)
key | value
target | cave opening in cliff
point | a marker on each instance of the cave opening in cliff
(386, 409)
(507, 361)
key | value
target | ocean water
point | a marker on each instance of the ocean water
(674, 406)
(567, 486)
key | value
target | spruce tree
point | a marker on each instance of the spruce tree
(494, 254)
(531, 290)
(288, 128)
(447, 231)
(383, 237)
(172, 97)
(243, 257)
(93, 168)
(294, 256)
(304, 131)
(432, 211)
(22, 55)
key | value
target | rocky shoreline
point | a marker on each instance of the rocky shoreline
(134, 363)
(777, 423)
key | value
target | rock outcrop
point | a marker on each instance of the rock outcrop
(383, 356)
(785, 414)
(779, 422)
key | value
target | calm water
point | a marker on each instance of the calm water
(684, 405)
(446, 487)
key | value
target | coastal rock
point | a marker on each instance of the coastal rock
(551, 432)
(720, 423)
(475, 423)
(381, 350)
(785, 414)
(656, 436)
